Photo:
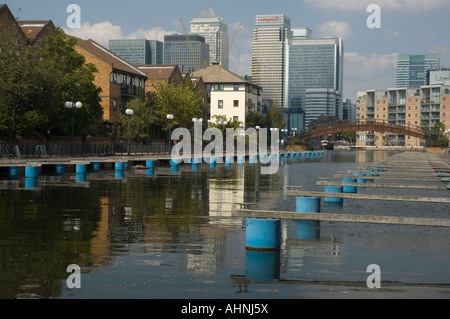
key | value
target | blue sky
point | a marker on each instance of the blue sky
(407, 26)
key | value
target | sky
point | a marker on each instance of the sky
(370, 53)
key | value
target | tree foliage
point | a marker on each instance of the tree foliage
(276, 117)
(255, 118)
(36, 81)
(183, 101)
(139, 122)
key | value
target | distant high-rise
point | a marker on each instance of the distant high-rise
(315, 75)
(213, 28)
(188, 55)
(412, 69)
(138, 51)
(270, 38)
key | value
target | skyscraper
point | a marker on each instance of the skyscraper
(315, 75)
(189, 54)
(270, 37)
(138, 51)
(213, 28)
(412, 69)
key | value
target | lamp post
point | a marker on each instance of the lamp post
(293, 131)
(72, 105)
(129, 113)
(169, 118)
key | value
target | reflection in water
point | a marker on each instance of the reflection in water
(173, 234)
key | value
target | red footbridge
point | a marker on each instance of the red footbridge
(323, 129)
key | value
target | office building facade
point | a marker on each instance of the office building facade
(315, 76)
(138, 51)
(189, 54)
(215, 31)
(412, 69)
(270, 38)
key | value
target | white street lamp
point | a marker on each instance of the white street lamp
(170, 118)
(72, 105)
(129, 113)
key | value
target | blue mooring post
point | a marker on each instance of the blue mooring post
(119, 170)
(263, 234)
(150, 166)
(59, 169)
(333, 189)
(212, 163)
(96, 167)
(80, 172)
(349, 189)
(31, 176)
(307, 229)
(173, 166)
(359, 180)
(14, 172)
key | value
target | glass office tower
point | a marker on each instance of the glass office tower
(270, 38)
(211, 26)
(138, 51)
(188, 55)
(412, 69)
(315, 76)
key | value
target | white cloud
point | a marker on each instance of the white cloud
(389, 5)
(104, 31)
(335, 29)
(368, 72)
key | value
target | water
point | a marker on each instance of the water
(173, 236)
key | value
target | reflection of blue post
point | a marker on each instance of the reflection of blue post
(241, 159)
(150, 165)
(80, 172)
(333, 189)
(262, 265)
(263, 234)
(252, 159)
(349, 189)
(212, 163)
(14, 172)
(31, 176)
(307, 229)
(96, 167)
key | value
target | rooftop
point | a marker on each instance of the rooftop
(216, 74)
(208, 13)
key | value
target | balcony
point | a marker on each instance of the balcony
(131, 91)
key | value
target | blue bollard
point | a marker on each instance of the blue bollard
(173, 166)
(241, 159)
(307, 229)
(14, 172)
(349, 189)
(96, 167)
(359, 180)
(31, 176)
(59, 169)
(263, 234)
(262, 266)
(252, 159)
(80, 172)
(333, 189)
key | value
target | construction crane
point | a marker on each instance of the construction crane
(190, 45)
(231, 44)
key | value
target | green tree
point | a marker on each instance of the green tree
(255, 118)
(183, 101)
(140, 121)
(276, 117)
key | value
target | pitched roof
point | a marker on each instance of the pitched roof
(158, 72)
(217, 74)
(208, 13)
(33, 28)
(115, 61)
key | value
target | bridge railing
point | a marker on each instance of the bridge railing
(377, 123)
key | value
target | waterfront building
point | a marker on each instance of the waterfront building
(215, 31)
(412, 69)
(441, 76)
(138, 51)
(270, 38)
(348, 110)
(158, 74)
(119, 80)
(418, 107)
(228, 93)
(315, 75)
(189, 52)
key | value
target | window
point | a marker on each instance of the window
(236, 87)
(114, 77)
(218, 87)
(114, 103)
(236, 103)
(220, 105)
(235, 118)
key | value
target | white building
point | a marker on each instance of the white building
(229, 94)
